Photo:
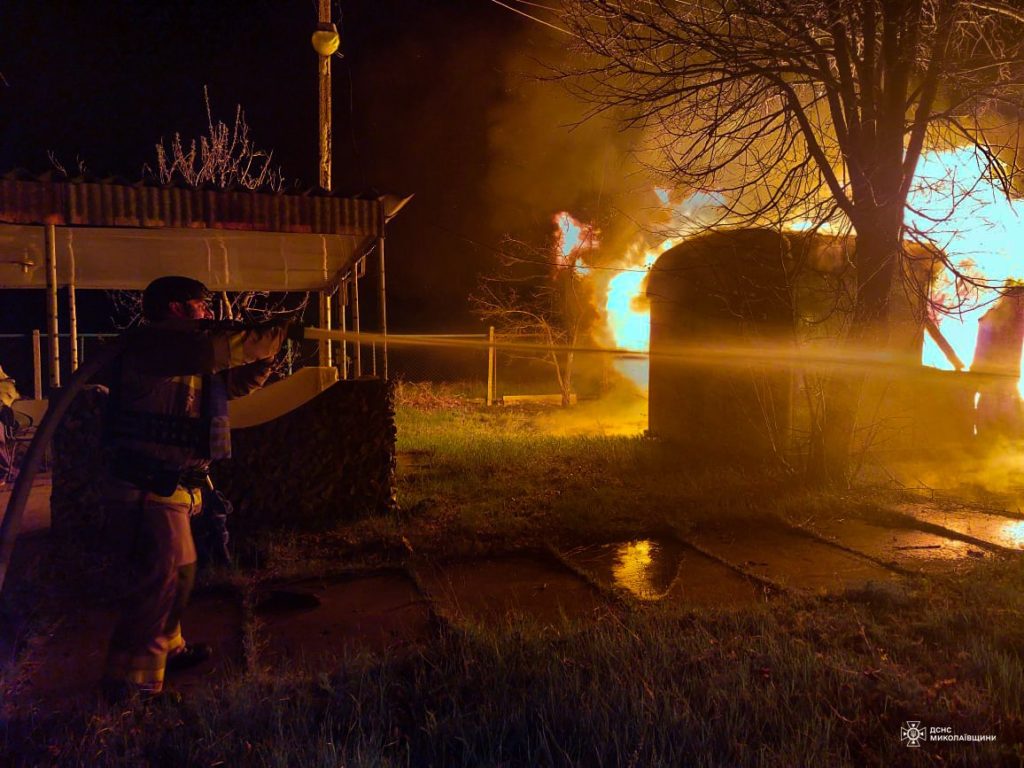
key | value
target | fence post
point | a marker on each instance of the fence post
(490, 367)
(357, 271)
(324, 351)
(37, 366)
(343, 326)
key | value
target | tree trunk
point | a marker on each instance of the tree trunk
(876, 257)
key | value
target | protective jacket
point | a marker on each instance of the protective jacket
(167, 414)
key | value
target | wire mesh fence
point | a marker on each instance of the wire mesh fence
(482, 369)
(463, 369)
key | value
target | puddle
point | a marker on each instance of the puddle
(493, 590)
(1005, 532)
(645, 567)
(656, 569)
(788, 558)
(907, 548)
(214, 618)
(63, 668)
(313, 618)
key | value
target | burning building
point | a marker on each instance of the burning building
(780, 292)
(790, 290)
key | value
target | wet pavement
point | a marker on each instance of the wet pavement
(906, 548)
(787, 557)
(36, 516)
(991, 529)
(725, 565)
(62, 666)
(305, 620)
(216, 618)
(654, 570)
(499, 590)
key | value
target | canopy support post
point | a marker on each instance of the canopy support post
(53, 326)
(72, 311)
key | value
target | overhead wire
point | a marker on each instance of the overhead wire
(555, 27)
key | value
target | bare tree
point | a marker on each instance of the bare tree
(539, 296)
(816, 109)
(226, 157)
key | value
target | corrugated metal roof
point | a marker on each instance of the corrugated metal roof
(112, 204)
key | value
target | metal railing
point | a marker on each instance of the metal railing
(37, 337)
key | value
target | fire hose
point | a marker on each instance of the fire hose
(714, 355)
(33, 457)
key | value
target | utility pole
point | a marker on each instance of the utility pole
(325, 43)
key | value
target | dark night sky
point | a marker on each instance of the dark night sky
(430, 98)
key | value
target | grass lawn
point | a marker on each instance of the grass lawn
(798, 681)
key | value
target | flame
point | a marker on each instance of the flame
(981, 231)
(953, 203)
(626, 310)
(573, 237)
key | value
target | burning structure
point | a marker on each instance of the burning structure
(754, 289)
(953, 308)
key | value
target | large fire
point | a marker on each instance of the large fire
(624, 310)
(953, 204)
(981, 232)
(623, 305)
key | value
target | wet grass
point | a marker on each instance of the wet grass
(796, 682)
(496, 473)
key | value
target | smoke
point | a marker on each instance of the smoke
(546, 156)
(621, 411)
(990, 472)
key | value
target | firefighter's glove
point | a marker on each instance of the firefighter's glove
(296, 329)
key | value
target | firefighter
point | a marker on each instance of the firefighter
(998, 354)
(166, 421)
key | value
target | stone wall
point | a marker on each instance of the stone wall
(78, 520)
(330, 459)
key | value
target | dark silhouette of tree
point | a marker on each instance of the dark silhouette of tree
(814, 109)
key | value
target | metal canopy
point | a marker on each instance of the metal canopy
(120, 236)
(225, 260)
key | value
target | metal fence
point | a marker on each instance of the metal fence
(23, 357)
(486, 371)
(479, 369)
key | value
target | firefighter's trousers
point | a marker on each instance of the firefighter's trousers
(153, 542)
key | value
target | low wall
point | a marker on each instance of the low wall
(331, 459)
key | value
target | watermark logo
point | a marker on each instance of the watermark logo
(913, 733)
